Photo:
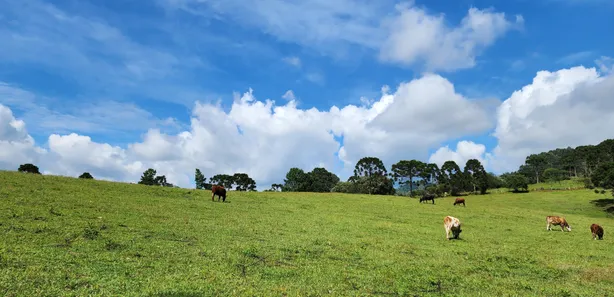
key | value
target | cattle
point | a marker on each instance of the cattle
(428, 197)
(556, 220)
(452, 224)
(459, 201)
(219, 191)
(597, 231)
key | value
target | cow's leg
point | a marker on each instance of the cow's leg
(548, 226)
(433, 201)
(447, 233)
(213, 197)
(464, 204)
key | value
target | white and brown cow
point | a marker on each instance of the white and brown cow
(557, 221)
(453, 225)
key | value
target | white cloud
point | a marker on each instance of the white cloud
(406, 36)
(294, 61)
(465, 150)
(16, 145)
(568, 107)
(264, 140)
(417, 36)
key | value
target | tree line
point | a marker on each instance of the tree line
(591, 163)
(412, 177)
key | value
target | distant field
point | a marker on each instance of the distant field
(70, 237)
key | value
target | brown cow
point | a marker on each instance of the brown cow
(597, 231)
(556, 220)
(452, 224)
(459, 201)
(219, 191)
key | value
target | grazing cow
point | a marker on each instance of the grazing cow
(556, 220)
(459, 201)
(219, 191)
(428, 197)
(597, 231)
(453, 225)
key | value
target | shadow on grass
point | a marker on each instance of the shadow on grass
(177, 294)
(606, 204)
(520, 191)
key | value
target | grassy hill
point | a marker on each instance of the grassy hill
(65, 236)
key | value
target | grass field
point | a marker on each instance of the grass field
(64, 236)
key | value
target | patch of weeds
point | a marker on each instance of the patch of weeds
(39, 230)
(4, 262)
(90, 232)
(40, 218)
(54, 212)
(68, 241)
(111, 245)
(250, 258)
(104, 227)
(123, 225)
(15, 228)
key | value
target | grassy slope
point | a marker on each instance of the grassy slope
(155, 241)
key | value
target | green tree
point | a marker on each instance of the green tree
(494, 182)
(405, 171)
(537, 163)
(149, 177)
(603, 176)
(244, 182)
(86, 175)
(276, 187)
(476, 175)
(28, 168)
(369, 166)
(224, 180)
(554, 174)
(372, 177)
(452, 177)
(199, 179)
(296, 181)
(516, 182)
(161, 181)
(321, 180)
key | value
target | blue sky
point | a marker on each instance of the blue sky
(113, 69)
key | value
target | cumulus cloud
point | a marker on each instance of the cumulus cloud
(16, 145)
(417, 36)
(465, 150)
(264, 139)
(568, 107)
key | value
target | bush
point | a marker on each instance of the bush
(596, 191)
(86, 175)
(28, 168)
(418, 193)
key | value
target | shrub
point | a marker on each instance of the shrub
(86, 175)
(28, 168)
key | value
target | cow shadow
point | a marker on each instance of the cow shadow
(606, 204)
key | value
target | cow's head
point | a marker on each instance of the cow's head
(567, 227)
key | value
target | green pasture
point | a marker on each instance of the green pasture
(70, 237)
